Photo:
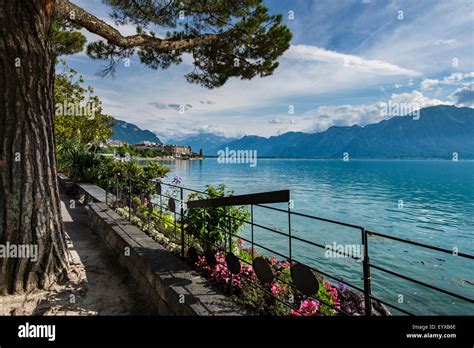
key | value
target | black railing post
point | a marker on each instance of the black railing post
(130, 198)
(107, 179)
(182, 221)
(251, 231)
(175, 224)
(116, 189)
(289, 233)
(228, 210)
(366, 272)
(161, 207)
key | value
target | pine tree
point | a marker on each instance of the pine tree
(232, 38)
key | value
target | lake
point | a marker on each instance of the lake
(426, 201)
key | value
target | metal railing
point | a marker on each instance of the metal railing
(123, 193)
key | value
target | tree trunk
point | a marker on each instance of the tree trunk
(29, 200)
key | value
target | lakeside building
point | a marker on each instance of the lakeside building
(179, 151)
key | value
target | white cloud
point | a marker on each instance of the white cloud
(464, 96)
(317, 54)
(439, 33)
(454, 78)
(457, 77)
(446, 42)
(416, 98)
(428, 84)
(318, 119)
(347, 115)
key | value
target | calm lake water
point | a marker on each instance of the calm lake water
(426, 201)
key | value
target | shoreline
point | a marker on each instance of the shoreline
(317, 159)
(166, 158)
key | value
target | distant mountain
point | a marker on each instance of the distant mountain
(132, 134)
(440, 131)
(208, 142)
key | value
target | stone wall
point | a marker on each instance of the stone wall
(169, 284)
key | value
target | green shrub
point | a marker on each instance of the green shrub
(119, 173)
(211, 225)
(78, 161)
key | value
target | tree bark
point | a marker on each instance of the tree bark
(29, 199)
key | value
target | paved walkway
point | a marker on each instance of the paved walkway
(97, 285)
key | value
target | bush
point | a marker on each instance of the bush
(141, 177)
(210, 226)
(77, 161)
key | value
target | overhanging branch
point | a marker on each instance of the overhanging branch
(75, 14)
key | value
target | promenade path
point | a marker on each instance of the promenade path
(97, 284)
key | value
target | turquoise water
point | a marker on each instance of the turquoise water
(426, 201)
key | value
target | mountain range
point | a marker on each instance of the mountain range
(437, 133)
(132, 134)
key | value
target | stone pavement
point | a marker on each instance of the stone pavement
(97, 284)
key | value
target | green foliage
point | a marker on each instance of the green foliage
(247, 40)
(325, 295)
(254, 298)
(78, 112)
(65, 38)
(125, 150)
(121, 172)
(166, 220)
(77, 161)
(209, 226)
(148, 153)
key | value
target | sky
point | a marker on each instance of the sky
(347, 59)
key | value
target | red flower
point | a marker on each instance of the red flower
(308, 307)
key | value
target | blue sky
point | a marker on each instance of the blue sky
(347, 58)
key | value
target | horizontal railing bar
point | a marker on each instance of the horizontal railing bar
(287, 258)
(314, 269)
(422, 283)
(287, 235)
(311, 216)
(184, 188)
(324, 247)
(391, 305)
(419, 244)
(270, 229)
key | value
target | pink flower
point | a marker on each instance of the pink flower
(285, 264)
(308, 307)
(334, 293)
(277, 288)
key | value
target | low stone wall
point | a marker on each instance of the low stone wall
(167, 282)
